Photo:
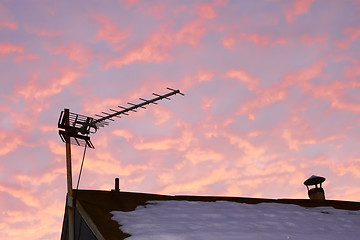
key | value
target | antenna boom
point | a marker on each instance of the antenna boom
(140, 105)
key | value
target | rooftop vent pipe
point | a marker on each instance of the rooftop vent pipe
(117, 189)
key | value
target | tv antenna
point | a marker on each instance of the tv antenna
(76, 129)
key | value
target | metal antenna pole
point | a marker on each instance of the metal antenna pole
(70, 204)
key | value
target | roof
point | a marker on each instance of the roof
(95, 207)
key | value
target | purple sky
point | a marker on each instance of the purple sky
(271, 97)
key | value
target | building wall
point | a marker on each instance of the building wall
(82, 231)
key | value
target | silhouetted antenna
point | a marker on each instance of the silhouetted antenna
(79, 127)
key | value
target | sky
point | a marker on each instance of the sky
(183, 220)
(271, 97)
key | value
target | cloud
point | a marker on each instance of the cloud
(191, 80)
(157, 10)
(200, 182)
(299, 7)
(10, 141)
(251, 151)
(35, 90)
(109, 31)
(228, 42)
(179, 143)
(353, 34)
(257, 39)
(352, 72)
(206, 10)
(6, 48)
(23, 194)
(161, 114)
(128, 3)
(203, 155)
(267, 96)
(124, 133)
(243, 76)
(75, 52)
(11, 25)
(334, 93)
(158, 45)
(154, 49)
(311, 40)
(191, 33)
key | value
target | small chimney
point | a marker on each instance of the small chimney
(117, 189)
(315, 190)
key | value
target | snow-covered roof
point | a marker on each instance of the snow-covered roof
(182, 220)
(118, 215)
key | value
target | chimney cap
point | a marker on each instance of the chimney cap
(313, 180)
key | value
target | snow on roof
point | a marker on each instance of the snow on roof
(182, 220)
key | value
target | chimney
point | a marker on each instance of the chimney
(315, 190)
(117, 189)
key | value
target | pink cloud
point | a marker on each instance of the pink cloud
(191, 33)
(157, 10)
(280, 41)
(243, 76)
(75, 52)
(179, 143)
(251, 151)
(257, 39)
(299, 7)
(228, 42)
(199, 183)
(202, 75)
(196, 156)
(352, 72)
(34, 90)
(11, 25)
(206, 10)
(311, 40)
(128, 3)
(154, 49)
(206, 103)
(157, 46)
(270, 95)
(10, 141)
(109, 31)
(264, 97)
(353, 34)
(23, 194)
(161, 114)
(304, 75)
(335, 93)
(6, 48)
(124, 133)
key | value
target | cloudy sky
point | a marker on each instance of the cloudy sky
(271, 97)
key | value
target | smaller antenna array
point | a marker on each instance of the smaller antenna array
(76, 128)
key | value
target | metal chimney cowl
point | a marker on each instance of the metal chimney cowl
(316, 192)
